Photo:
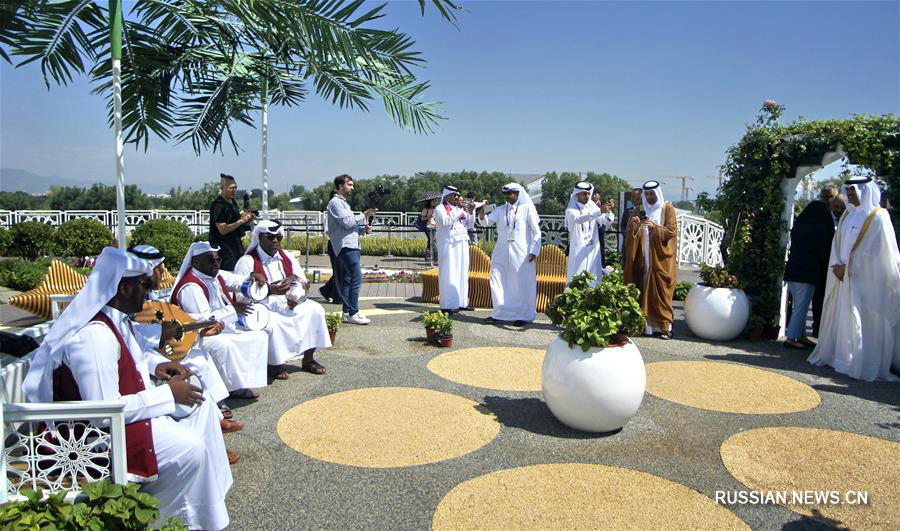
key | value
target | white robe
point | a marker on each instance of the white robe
(239, 355)
(194, 475)
(584, 239)
(513, 277)
(860, 321)
(291, 331)
(452, 237)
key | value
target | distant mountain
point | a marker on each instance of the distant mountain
(14, 180)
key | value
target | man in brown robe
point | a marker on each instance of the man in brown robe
(650, 258)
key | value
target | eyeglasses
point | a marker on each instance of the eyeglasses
(273, 236)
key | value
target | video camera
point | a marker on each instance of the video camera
(247, 204)
(375, 198)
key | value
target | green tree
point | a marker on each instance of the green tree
(557, 188)
(23, 201)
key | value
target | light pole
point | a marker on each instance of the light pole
(115, 41)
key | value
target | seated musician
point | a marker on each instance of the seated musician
(198, 360)
(92, 353)
(205, 292)
(296, 323)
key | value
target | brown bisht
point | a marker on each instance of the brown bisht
(658, 287)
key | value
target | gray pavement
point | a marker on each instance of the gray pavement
(279, 488)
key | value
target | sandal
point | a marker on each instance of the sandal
(278, 372)
(232, 457)
(793, 343)
(227, 414)
(313, 367)
(665, 335)
(245, 394)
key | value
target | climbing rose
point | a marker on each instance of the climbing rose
(767, 103)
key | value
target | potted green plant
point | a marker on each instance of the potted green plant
(333, 321)
(443, 332)
(430, 321)
(716, 308)
(593, 377)
(755, 327)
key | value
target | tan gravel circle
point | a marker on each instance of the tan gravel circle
(500, 368)
(813, 460)
(384, 427)
(729, 387)
(578, 496)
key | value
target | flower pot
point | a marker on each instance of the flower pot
(771, 333)
(597, 390)
(755, 335)
(429, 334)
(445, 341)
(717, 314)
(333, 335)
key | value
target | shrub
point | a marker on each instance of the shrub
(717, 277)
(443, 326)
(169, 236)
(108, 506)
(612, 258)
(682, 289)
(432, 319)
(30, 239)
(81, 237)
(23, 276)
(333, 321)
(5, 240)
(202, 237)
(591, 313)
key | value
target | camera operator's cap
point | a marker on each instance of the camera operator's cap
(651, 185)
(148, 252)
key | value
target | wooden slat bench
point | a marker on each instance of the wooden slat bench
(479, 281)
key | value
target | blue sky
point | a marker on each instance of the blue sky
(639, 89)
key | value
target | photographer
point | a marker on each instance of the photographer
(227, 224)
(344, 229)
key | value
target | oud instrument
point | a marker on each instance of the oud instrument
(158, 311)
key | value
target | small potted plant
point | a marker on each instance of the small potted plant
(333, 321)
(716, 308)
(443, 332)
(755, 328)
(430, 321)
(593, 376)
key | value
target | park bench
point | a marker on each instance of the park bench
(551, 275)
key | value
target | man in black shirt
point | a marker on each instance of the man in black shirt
(227, 224)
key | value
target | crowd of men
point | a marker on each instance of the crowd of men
(175, 413)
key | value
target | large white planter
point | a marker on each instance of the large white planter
(597, 390)
(717, 314)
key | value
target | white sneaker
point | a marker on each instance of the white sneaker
(356, 319)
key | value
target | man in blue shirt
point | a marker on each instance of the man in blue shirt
(344, 228)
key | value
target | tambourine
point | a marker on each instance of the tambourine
(254, 291)
(182, 411)
(256, 319)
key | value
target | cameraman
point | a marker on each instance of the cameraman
(227, 224)
(344, 229)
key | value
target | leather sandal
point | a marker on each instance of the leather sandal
(313, 367)
(230, 426)
(232, 457)
(245, 394)
(278, 372)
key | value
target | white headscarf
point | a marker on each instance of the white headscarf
(112, 265)
(523, 198)
(866, 190)
(573, 198)
(447, 191)
(654, 211)
(264, 226)
(149, 253)
(195, 249)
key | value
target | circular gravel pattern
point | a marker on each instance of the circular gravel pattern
(384, 427)
(817, 461)
(729, 388)
(500, 368)
(576, 496)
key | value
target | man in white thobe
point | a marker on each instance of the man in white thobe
(583, 219)
(93, 353)
(296, 323)
(453, 224)
(513, 274)
(197, 360)
(205, 292)
(860, 321)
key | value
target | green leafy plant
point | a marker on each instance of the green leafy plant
(682, 289)
(432, 319)
(30, 239)
(444, 326)
(81, 237)
(5, 241)
(612, 258)
(716, 277)
(169, 236)
(333, 321)
(108, 506)
(591, 312)
(756, 323)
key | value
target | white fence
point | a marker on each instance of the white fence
(698, 238)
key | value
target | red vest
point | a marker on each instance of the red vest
(141, 457)
(191, 278)
(285, 264)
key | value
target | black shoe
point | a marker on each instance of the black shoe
(490, 320)
(466, 309)
(520, 323)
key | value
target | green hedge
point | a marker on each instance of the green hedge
(169, 236)
(23, 276)
(30, 239)
(81, 237)
(5, 240)
(374, 246)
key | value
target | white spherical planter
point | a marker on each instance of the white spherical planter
(597, 390)
(717, 314)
